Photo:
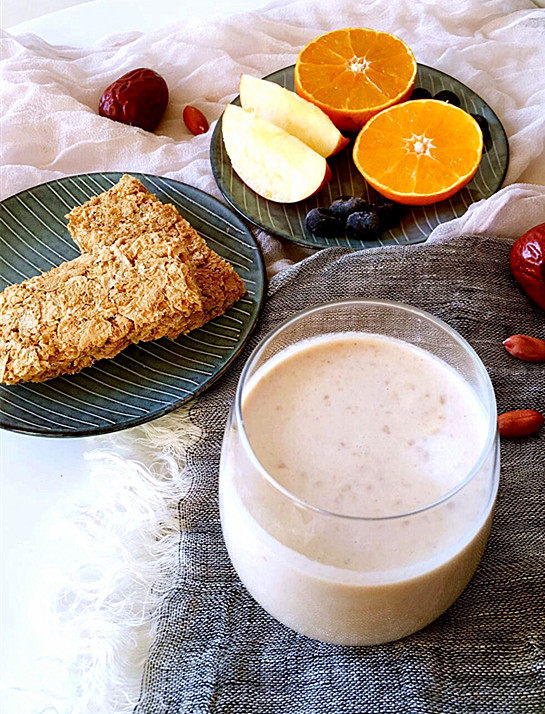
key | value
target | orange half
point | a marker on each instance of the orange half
(354, 73)
(419, 152)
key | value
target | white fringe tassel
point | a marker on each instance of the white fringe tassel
(128, 537)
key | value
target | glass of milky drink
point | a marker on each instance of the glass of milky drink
(359, 471)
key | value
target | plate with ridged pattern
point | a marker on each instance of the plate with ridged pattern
(148, 379)
(287, 220)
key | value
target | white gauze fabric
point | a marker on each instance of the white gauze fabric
(50, 126)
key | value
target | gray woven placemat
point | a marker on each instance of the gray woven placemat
(217, 651)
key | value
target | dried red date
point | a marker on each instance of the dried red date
(138, 98)
(527, 261)
(195, 120)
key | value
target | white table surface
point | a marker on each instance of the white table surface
(87, 23)
(38, 476)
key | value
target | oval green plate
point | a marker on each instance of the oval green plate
(288, 219)
(145, 380)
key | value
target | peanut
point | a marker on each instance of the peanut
(521, 422)
(529, 349)
(195, 120)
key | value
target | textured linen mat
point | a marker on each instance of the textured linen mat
(216, 650)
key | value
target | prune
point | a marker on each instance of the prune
(343, 206)
(389, 212)
(420, 93)
(138, 98)
(364, 225)
(323, 223)
(445, 95)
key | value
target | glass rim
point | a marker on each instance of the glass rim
(265, 341)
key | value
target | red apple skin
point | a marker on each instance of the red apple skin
(527, 263)
(327, 178)
(341, 145)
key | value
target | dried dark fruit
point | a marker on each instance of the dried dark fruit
(343, 206)
(483, 123)
(485, 129)
(195, 120)
(324, 223)
(389, 212)
(138, 98)
(364, 225)
(445, 95)
(420, 93)
(527, 263)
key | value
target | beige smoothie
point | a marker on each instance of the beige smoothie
(328, 523)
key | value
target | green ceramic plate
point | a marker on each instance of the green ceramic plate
(288, 219)
(144, 381)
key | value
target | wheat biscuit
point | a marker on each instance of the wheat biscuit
(94, 306)
(121, 214)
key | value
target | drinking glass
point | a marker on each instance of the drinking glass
(292, 556)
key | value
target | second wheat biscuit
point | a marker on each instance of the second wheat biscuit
(121, 214)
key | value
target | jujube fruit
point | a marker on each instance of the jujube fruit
(138, 98)
(527, 262)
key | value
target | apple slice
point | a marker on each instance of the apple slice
(273, 163)
(292, 113)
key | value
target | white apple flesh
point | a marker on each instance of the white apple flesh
(273, 163)
(292, 113)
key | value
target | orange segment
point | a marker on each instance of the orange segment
(354, 73)
(419, 152)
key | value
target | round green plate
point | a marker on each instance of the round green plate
(145, 380)
(288, 219)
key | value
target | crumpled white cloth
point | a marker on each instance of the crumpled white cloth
(508, 214)
(50, 127)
